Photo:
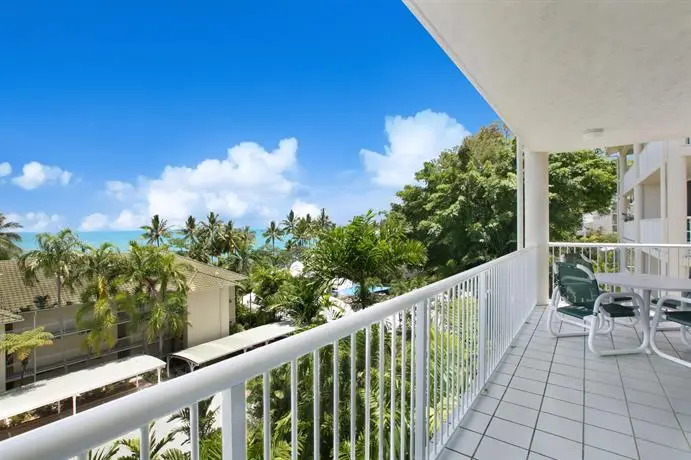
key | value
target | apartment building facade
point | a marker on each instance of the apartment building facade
(211, 310)
(650, 207)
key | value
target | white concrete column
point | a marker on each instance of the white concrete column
(675, 211)
(537, 217)
(520, 186)
(621, 196)
(637, 206)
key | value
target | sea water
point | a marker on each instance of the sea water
(120, 238)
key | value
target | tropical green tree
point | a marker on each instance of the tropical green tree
(22, 345)
(302, 233)
(463, 205)
(190, 231)
(156, 445)
(157, 232)
(105, 453)
(288, 224)
(323, 222)
(365, 251)
(229, 239)
(160, 290)
(103, 298)
(301, 299)
(273, 233)
(9, 239)
(58, 256)
(207, 419)
(211, 234)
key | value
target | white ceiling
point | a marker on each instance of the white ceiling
(554, 69)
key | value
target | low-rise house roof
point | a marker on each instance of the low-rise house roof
(16, 295)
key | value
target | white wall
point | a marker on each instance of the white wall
(651, 201)
(209, 315)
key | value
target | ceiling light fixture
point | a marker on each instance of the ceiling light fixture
(593, 133)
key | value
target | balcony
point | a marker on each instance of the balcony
(462, 368)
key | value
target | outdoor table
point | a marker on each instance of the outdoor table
(646, 284)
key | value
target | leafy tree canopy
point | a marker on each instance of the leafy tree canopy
(463, 206)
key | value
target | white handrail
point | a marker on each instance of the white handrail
(556, 244)
(68, 437)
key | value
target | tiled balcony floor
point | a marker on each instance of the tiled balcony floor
(552, 398)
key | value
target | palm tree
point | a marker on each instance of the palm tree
(9, 238)
(207, 419)
(229, 238)
(302, 299)
(364, 251)
(242, 258)
(211, 233)
(103, 297)
(273, 233)
(105, 453)
(189, 232)
(157, 231)
(156, 445)
(323, 222)
(160, 288)
(58, 256)
(22, 345)
(288, 224)
(302, 233)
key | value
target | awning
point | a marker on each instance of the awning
(209, 351)
(45, 392)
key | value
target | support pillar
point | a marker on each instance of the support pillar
(622, 205)
(537, 218)
(520, 191)
(637, 206)
(675, 224)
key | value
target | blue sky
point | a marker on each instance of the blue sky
(110, 114)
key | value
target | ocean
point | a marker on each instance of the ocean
(120, 238)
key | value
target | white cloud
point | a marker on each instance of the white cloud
(302, 208)
(248, 180)
(412, 141)
(35, 174)
(119, 190)
(36, 221)
(5, 169)
(128, 220)
(95, 221)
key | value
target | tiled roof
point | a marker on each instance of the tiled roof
(16, 294)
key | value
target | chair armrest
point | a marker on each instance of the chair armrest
(610, 297)
(685, 303)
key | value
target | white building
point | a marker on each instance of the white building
(210, 308)
(656, 185)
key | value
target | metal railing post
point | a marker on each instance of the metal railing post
(421, 365)
(233, 423)
(194, 431)
(482, 326)
(144, 447)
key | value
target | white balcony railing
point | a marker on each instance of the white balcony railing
(652, 259)
(650, 158)
(651, 230)
(403, 373)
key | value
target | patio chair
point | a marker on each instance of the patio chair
(586, 306)
(675, 309)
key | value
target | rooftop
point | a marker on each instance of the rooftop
(552, 398)
(15, 294)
